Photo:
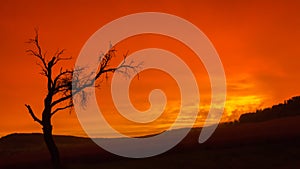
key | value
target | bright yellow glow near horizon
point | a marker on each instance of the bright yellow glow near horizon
(257, 41)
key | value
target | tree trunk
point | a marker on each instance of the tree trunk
(48, 137)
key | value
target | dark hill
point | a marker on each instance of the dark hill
(290, 107)
(271, 144)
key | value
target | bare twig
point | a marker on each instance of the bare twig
(32, 114)
(61, 108)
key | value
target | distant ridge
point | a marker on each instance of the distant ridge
(254, 142)
(290, 107)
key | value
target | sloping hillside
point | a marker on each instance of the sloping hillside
(290, 107)
(270, 144)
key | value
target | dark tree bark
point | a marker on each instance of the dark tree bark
(47, 134)
(53, 150)
(59, 89)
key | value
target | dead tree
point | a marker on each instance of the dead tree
(59, 88)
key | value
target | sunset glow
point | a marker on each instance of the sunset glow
(257, 43)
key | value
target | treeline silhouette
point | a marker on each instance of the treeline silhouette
(290, 107)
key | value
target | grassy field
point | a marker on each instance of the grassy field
(271, 144)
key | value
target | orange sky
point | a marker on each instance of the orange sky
(256, 41)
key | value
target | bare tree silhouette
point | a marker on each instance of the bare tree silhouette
(59, 87)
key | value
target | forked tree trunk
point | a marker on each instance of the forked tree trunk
(48, 137)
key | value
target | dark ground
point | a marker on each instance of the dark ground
(273, 144)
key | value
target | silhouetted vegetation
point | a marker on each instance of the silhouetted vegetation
(62, 85)
(274, 144)
(290, 107)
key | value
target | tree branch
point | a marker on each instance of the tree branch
(37, 53)
(33, 115)
(105, 64)
(61, 100)
(61, 108)
(62, 84)
(58, 57)
(61, 75)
